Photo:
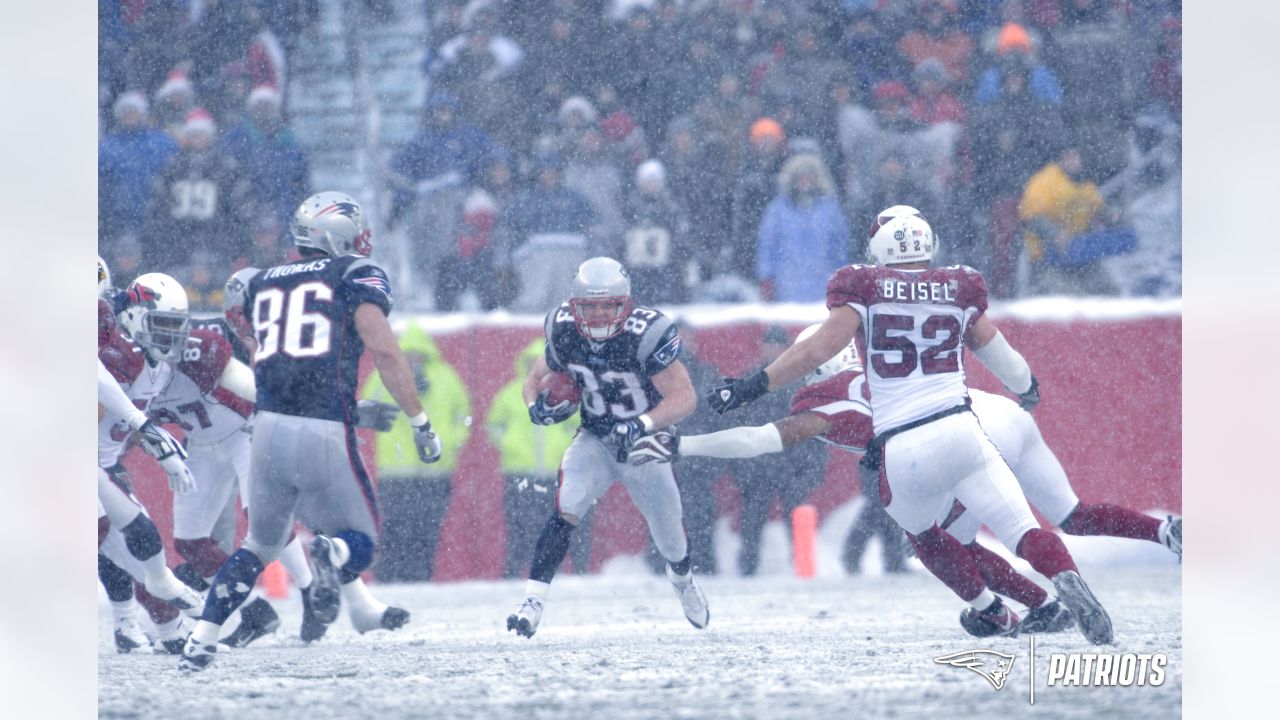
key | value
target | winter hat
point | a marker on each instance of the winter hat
(651, 171)
(1013, 38)
(766, 128)
(130, 100)
(176, 83)
(263, 93)
(578, 104)
(198, 120)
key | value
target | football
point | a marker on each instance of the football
(560, 387)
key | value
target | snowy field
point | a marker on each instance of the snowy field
(616, 645)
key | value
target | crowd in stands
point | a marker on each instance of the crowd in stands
(724, 150)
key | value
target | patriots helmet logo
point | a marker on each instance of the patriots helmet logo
(991, 665)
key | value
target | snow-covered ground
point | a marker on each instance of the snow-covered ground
(616, 645)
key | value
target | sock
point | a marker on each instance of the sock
(359, 549)
(681, 569)
(360, 601)
(985, 599)
(1045, 552)
(124, 609)
(206, 633)
(537, 588)
(294, 560)
(1002, 578)
(203, 554)
(552, 546)
(158, 610)
(117, 582)
(169, 626)
(231, 587)
(950, 562)
(1113, 521)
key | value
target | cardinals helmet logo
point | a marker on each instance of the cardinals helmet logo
(992, 665)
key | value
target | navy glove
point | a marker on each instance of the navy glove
(1031, 398)
(736, 393)
(627, 433)
(542, 414)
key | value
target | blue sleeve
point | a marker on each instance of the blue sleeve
(766, 242)
(364, 281)
(1044, 85)
(988, 87)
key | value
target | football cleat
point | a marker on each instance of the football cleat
(257, 618)
(691, 598)
(526, 618)
(175, 592)
(1171, 535)
(390, 619)
(1094, 622)
(997, 619)
(196, 657)
(1050, 617)
(172, 642)
(188, 575)
(312, 628)
(326, 594)
(130, 637)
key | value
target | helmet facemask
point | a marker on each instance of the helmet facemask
(163, 332)
(600, 318)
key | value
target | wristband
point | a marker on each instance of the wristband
(419, 420)
(647, 422)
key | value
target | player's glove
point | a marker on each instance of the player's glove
(626, 433)
(659, 447)
(427, 442)
(180, 478)
(736, 393)
(158, 443)
(376, 415)
(1031, 398)
(542, 414)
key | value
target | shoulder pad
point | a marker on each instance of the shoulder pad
(204, 357)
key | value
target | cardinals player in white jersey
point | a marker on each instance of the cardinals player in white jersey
(912, 318)
(834, 408)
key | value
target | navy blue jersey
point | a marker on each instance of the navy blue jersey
(614, 374)
(219, 324)
(303, 316)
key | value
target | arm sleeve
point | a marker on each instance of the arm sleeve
(113, 398)
(1005, 363)
(739, 442)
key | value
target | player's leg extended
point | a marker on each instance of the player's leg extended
(917, 476)
(142, 540)
(586, 472)
(171, 627)
(652, 488)
(128, 634)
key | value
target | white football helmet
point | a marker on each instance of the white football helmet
(157, 317)
(104, 278)
(890, 213)
(333, 223)
(846, 359)
(902, 239)
(600, 281)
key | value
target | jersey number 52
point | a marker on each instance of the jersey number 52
(282, 324)
(940, 357)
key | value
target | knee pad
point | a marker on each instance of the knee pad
(362, 549)
(142, 538)
(117, 582)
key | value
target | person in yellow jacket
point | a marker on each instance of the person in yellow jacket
(413, 496)
(530, 456)
(1069, 230)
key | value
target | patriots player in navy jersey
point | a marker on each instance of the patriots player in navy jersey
(625, 361)
(311, 321)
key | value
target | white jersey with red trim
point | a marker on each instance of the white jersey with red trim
(194, 401)
(842, 400)
(913, 322)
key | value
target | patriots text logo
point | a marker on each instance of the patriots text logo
(992, 665)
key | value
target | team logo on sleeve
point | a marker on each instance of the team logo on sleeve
(665, 354)
(376, 282)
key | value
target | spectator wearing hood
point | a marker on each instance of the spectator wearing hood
(264, 145)
(803, 236)
(130, 156)
(1014, 52)
(413, 497)
(655, 244)
(529, 456)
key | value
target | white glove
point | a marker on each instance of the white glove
(428, 443)
(180, 478)
(661, 447)
(158, 443)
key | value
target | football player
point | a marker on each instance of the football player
(833, 408)
(311, 320)
(912, 318)
(624, 359)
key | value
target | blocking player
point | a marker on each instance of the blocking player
(312, 319)
(625, 361)
(912, 318)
